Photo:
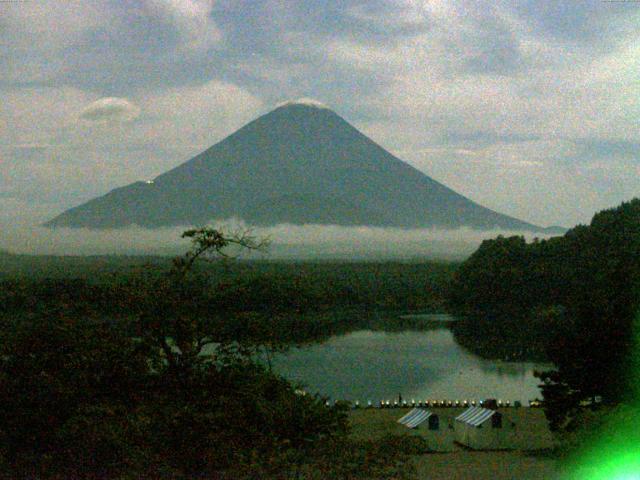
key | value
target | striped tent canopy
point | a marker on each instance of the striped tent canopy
(415, 417)
(475, 416)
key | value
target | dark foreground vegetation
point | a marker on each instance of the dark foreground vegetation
(146, 368)
(152, 373)
(574, 299)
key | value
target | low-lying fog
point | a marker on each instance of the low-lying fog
(286, 241)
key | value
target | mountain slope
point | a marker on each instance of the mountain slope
(297, 164)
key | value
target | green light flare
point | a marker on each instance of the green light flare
(615, 454)
(635, 362)
(623, 467)
(614, 451)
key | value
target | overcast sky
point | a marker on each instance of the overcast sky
(531, 108)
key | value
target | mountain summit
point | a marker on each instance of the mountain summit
(301, 164)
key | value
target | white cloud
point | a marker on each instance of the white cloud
(363, 56)
(37, 115)
(555, 91)
(286, 240)
(192, 19)
(47, 25)
(407, 14)
(110, 109)
(532, 180)
(406, 91)
(198, 116)
(59, 144)
(561, 94)
(309, 102)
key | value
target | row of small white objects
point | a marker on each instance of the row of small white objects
(436, 403)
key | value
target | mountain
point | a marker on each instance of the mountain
(301, 163)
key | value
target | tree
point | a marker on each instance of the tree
(174, 314)
(576, 295)
(56, 370)
(164, 393)
(149, 378)
(594, 349)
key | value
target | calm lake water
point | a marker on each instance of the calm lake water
(373, 365)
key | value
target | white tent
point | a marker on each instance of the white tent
(483, 429)
(418, 416)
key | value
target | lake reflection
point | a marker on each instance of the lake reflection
(373, 365)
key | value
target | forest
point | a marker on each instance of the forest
(290, 302)
(574, 299)
(389, 285)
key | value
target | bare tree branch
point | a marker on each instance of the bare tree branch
(210, 244)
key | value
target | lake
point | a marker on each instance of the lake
(428, 364)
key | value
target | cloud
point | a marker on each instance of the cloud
(71, 149)
(588, 23)
(37, 115)
(593, 149)
(29, 24)
(533, 180)
(287, 241)
(310, 102)
(110, 109)
(475, 94)
(198, 116)
(192, 19)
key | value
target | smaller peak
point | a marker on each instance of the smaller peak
(307, 102)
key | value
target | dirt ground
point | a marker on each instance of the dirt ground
(450, 461)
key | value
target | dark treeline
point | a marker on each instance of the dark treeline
(573, 299)
(13, 266)
(283, 303)
(256, 284)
